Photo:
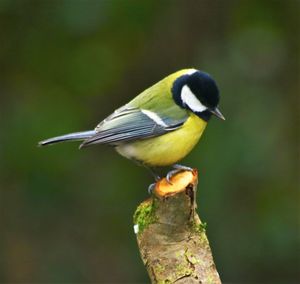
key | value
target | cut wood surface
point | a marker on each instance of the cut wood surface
(171, 238)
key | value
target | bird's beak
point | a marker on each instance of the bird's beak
(217, 113)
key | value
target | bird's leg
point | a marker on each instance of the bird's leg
(177, 168)
(156, 177)
(150, 169)
(153, 173)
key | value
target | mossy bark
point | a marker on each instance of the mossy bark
(171, 238)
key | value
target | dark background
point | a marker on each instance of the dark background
(66, 215)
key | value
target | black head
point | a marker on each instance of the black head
(198, 92)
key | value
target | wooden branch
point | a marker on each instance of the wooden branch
(171, 238)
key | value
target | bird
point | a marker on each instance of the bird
(161, 125)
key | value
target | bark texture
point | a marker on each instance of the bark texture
(171, 238)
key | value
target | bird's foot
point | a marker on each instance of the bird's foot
(177, 169)
(151, 188)
(182, 168)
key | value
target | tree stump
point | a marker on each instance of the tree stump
(171, 238)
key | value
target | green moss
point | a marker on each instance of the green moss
(183, 269)
(144, 215)
(191, 258)
(158, 268)
(210, 280)
(199, 228)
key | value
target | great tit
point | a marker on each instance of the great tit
(161, 125)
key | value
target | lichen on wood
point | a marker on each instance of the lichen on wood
(171, 238)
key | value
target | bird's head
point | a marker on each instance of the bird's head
(197, 91)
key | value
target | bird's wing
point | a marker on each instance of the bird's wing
(128, 123)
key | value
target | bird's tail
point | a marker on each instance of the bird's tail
(77, 136)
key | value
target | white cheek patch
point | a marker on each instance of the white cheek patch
(191, 100)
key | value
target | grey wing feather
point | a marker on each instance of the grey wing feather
(68, 137)
(128, 124)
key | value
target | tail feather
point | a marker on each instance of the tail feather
(77, 136)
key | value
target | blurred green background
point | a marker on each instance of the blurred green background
(66, 215)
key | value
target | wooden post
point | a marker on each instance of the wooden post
(171, 238)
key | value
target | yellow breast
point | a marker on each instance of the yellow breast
(166, 149)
